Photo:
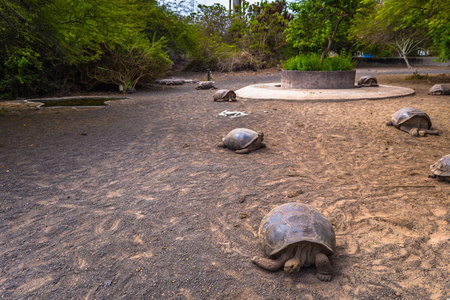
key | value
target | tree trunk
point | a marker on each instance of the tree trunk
(404, 46)
(406, 61)
(330, 40)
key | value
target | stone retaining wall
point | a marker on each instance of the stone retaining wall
(318, 79)
(397, 61)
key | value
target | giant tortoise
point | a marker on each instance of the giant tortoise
(243, 140)
(441, 169)
(224, 95)
(367, 81)
(440, 89)
(413, 121)
(295, 235)
(205, 85)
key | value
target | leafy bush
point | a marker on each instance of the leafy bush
(22, 75)
(311, 62)
(127, 64)
(266, 36)
(215, 54)
(416, 76)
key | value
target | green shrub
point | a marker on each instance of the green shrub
(22, 74)
(213, 53)
(311, 62)
(417, 76)
(127, 64)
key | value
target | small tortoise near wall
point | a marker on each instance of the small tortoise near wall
(441, 169)
(413, 121)
(367, 81)
(295, 235)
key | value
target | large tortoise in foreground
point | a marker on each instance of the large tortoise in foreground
(295, 235)
(413, 121)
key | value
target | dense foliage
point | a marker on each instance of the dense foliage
(313, 62)
(50, 47)
(320, 23)
(46, 44)
(405, 26)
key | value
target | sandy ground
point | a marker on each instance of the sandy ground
(135, 201)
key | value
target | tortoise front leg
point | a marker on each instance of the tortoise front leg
(423, 132)
(271, 264)
(411, 130)
(323, 265)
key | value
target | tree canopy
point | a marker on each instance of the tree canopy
(318, 24)
(50, 46)
(406, 25)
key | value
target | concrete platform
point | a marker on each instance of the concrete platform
(274, 91)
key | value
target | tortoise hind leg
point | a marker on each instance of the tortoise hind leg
(243, 151)
(324, 269)
(423, 132)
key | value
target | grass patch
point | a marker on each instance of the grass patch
(417, 76)
(311, 62)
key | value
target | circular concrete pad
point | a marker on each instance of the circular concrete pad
(274, 91)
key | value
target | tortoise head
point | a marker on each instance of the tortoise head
(292, 265)
(260, 136)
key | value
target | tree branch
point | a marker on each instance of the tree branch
(331, 39)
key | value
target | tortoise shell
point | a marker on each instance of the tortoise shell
(367, 81)
(170, 81)
(204, 85)
(224, 95)
(239, 138)
(440, 89)
(441, 167)
(406, 113)
(292, 223)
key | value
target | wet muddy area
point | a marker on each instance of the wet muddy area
(75, 101)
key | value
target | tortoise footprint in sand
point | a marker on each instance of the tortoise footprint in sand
(295, 235)
(243, 140)
(413, 121)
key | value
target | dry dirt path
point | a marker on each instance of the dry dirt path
(135, 201)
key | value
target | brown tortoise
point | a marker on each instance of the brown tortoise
(413, 121)
(296, 235)
(205, 85)
(440, 89)
(441, 169)
(243, 140)
(367, 81)
(224, 95)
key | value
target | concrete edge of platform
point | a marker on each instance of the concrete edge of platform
(272, 92)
